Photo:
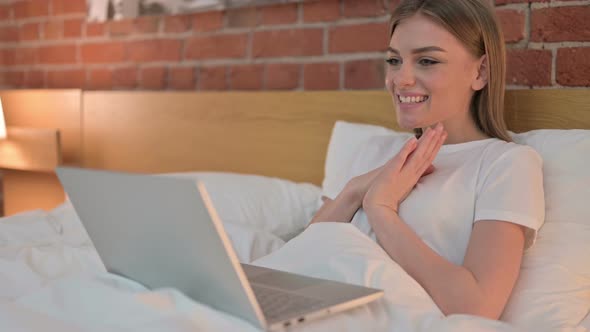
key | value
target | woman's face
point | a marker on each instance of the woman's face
(430, 75)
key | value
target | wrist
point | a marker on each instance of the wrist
(352, 194)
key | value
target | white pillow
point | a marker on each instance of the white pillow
(250, 244)
(553, 290)
(259, 213)
(278, 206)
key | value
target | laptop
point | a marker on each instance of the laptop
(163, 231)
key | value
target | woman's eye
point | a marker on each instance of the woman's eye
(393, 61)
(427, 62)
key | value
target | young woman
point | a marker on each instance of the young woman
(456, 206)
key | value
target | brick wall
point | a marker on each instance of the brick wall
(325, 44)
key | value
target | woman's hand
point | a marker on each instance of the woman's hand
(359, 185)
(399, 175)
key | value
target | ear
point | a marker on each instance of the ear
(482, 74)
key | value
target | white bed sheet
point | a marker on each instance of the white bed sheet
(52, 279)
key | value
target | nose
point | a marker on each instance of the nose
(403, 76)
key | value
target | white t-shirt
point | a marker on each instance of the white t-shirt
(488, 179)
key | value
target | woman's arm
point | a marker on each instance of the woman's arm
(481, 286)
(341, 209)
(348, 201)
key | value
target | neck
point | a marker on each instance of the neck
(461, 130)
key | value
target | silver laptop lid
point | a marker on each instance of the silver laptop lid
(162, 232)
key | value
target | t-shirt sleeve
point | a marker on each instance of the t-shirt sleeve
(511, 189)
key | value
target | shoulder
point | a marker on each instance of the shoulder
(509, 153)
(511, 164)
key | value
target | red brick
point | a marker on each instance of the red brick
(22, 56)
(8, 34)
(125, 77)
(53, 30)
(100, 79)
(95, 29)
(68, 7)
(27, 9)
(283, 76)
(73, 28)
(4, 55)
(121, 27)
(528, 67)
(29, 31)
(246, 77)
(107, 52)
(573, 66)
(213, 78)
(7, 57)
(218, 46)
(364, 74)
(290, 42)
(58, 54)
(178, 23)
(35, 79)
(363, 8)
(321, 76)
(66, 79)
(154, 50)
(278, 14)
(147, 24)
(560, 24)
(321, 11)
(246, 17)
(182, 78)
(142, 25)
(512, 22)
(208, 21)
(372, 37)
(153, 78)
(4, 12)
(14, 78)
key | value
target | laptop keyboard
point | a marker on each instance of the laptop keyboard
(277, 304)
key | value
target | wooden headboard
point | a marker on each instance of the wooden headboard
(282, 134)
(270, 133)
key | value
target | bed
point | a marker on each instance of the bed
(282, 146)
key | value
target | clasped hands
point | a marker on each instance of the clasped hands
(389, 185)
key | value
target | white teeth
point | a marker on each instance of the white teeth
(412, 99)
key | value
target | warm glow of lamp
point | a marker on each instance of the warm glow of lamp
(2, 123)
(28, 148)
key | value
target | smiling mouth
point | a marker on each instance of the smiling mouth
(412, 100)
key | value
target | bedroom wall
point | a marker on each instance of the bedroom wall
(328, 44)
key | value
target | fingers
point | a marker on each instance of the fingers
(435, 145)
(400, 159)
(428, 170)
(427, 149)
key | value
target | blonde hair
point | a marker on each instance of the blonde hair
(474, 24)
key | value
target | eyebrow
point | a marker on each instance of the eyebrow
(419, 50)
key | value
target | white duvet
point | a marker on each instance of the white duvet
(51, 279)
